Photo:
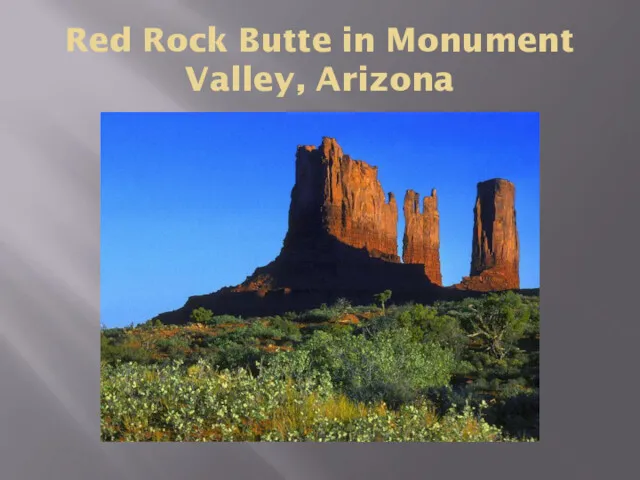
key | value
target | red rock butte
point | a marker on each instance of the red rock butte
(495, 255)
(421, 243)
(342, 197)
(342, 242)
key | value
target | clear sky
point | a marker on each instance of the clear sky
(192, 202)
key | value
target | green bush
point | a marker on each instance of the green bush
(286, 327)
(517, 414)
(112, 352)
(199, 403)
(225, 319)
(201, 315)
(427, 323)
(341, 307)
(233, 355)
(318, 379)
(317, 315)
(390, 366)
(498, 320)
(175, 347)
(326, 313)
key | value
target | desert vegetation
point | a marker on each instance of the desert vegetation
(452, 371)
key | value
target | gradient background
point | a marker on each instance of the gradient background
(50, 210)
(194, 202)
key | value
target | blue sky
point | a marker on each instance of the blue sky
(192, 202)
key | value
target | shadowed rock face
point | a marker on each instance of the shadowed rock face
(495, 253)
(342, 243)
(421, 242)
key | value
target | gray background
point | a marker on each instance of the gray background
(50, 210)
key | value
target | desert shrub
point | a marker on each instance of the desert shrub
(285, 327)
(388, 367)
(427, 323)
(317, 315)
(112, 352)
(114, 335)
(378, 324)
(362, 308)
(175, 347)
(232, 354)
(339, 382)
(201, 315)
(341, 307)
(533, 304)
(225, 319)
(326, 313)
(445, 330)
(206, 317)
(517, 414)
(449, 398)
(272, 328)
(338, 329)
(423, 323)
(498, 320)
(200, 403)
(150, 324)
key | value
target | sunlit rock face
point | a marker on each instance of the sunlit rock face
(421, 241)
(341, 242)
(495, 255)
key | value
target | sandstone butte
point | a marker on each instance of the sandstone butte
(495, 254)
(342, 197)
(421, 243)
(342, 242)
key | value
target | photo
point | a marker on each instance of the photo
(320, 277)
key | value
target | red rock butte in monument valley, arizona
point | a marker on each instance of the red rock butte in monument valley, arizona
(342, 242)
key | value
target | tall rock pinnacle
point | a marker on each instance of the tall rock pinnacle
(340, 196)
(495, 255)
(342, 243)
(421, 242)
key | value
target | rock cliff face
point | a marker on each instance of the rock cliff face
(495, 255)
(342, 197)
(341, 242)
(421, 242)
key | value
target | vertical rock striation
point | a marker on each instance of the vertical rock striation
(421, 241)
(340, 196)
(495, 255)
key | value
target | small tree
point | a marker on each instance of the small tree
(500, 320)
(201, 315)
(382, 298)
(341, 306)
